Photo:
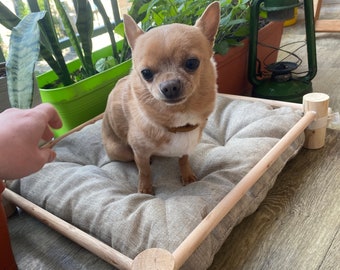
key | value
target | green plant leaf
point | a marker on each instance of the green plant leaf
(109, 28)
(70, 33)
(221, 47)
(233, 24)
(23, 53)
(84, 25)
(8, 18)
(242, 31)
(119, 29)
(50, 49)
(105, 63)
(2, 56)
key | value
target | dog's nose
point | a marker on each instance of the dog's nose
(171, 89)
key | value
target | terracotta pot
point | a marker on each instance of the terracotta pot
(232, 68)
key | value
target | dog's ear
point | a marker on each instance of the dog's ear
(210, 21)
(132, 30)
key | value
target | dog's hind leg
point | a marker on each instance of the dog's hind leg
(119, 152)
(114, 147)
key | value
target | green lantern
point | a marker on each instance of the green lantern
(282, 85)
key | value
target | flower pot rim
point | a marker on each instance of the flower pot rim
(245, 41)
(86, 86)
(74, 65)
(83, 81)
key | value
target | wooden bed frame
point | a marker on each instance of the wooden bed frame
(313, 123)
(324, 25)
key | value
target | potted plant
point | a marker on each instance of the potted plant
(78, 89)
(231, 44)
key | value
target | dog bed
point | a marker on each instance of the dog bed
(99, 196)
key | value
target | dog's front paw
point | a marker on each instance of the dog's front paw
(146, 189)
(187, 179)
(187, 174)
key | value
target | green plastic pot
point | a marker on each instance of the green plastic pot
(85, 99)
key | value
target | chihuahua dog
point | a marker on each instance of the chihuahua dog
(162, 106)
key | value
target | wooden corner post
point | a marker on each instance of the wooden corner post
(316, 131)
(154, 259)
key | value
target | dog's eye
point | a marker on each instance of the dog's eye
(192, 64)
(147, 74)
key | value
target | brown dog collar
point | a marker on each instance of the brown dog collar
(186, 128)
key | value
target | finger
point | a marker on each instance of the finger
(53, 118)
(56, 123)
(38, 159)
(47, 135)
(51, 156)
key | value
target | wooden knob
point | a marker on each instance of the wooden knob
(154, 259)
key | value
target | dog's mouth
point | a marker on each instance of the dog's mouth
(174, 101)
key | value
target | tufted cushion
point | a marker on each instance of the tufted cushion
(99, 196)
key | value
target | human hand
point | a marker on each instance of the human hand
(20, 134)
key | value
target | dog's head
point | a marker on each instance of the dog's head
(174, 61)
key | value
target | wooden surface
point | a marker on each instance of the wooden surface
(297, 226)
(324, 25)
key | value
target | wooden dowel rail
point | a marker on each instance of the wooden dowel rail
(83, 239)
(323, 25)
(52, 143)
(271, 102)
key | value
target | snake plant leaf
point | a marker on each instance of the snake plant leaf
(109, 28)
(49, 44)
(7, 18)
(51, 50)
(24, 50)
(84, 25)
(70, 33)
(34, 7)
(2, 56)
